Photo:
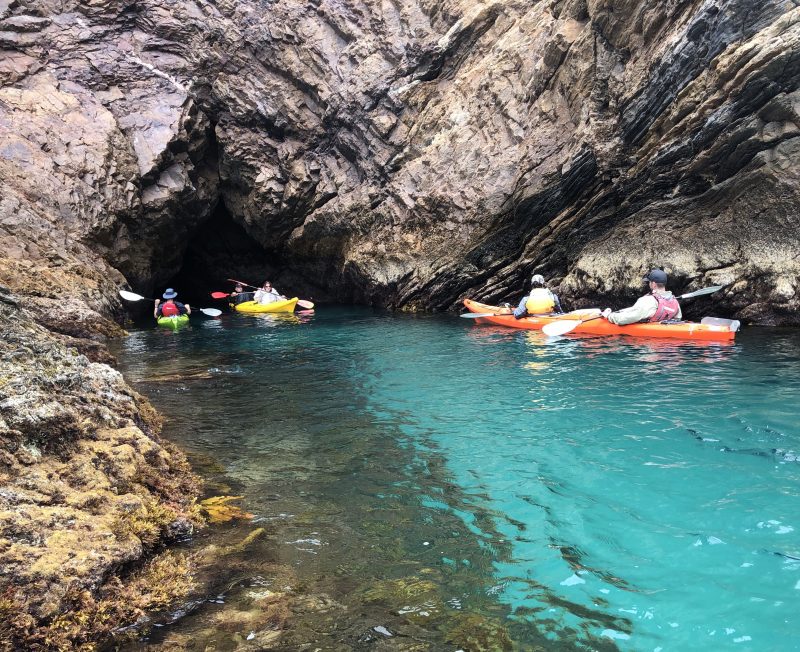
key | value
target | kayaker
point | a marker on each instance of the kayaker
(170, 307)
(540, 301)
(239, 295)
(658, 305)
(267, 294)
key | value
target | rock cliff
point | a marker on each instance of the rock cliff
(401, 152)
(406, 152)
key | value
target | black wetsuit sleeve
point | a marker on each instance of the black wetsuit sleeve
(242, 297)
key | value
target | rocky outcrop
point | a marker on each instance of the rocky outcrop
(87, 490)
(408, 153)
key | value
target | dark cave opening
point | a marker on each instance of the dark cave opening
(220, 250)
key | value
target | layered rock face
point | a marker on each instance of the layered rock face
(406, 152)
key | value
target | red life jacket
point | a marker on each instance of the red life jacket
(667, 308)
(169, 309)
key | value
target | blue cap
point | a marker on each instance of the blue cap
(169, 294)
(657, 276)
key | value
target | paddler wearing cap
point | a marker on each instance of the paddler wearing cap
(658, 305)
(239, 295)
(170, 307)
(540, 301)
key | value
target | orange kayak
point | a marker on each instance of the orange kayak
(685, 330)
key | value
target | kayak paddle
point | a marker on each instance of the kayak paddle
(132, 296)
(565, 326)
(308, 305)
(478, 315)
(247, 285)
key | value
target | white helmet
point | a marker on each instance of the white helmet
(537, 278)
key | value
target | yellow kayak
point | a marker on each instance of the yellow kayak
(276, 306)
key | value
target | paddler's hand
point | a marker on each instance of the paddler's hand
(505, 309)
(606, 313)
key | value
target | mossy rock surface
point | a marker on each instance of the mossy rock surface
(88, 493)
(479, 634)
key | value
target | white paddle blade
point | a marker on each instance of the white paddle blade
(304, 303)
(130, 296)
(560, 327)
(211, 312)
(699, 293)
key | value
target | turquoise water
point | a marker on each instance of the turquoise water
(565, 493)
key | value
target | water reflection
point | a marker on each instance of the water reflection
(608, 404)
(362, 527)
(280, 318)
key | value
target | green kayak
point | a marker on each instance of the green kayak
(173, 322)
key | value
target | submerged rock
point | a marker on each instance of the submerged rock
(471, 632)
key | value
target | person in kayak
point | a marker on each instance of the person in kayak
(170, 307)
(239, 295)
(267, 294)
(540, 301)
(658, 305)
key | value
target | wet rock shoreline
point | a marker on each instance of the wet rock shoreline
(89, 495)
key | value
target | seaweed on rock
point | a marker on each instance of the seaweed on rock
(88, 493)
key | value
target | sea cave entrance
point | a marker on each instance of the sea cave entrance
(220, 250)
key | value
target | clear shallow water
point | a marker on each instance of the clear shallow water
(568, 493)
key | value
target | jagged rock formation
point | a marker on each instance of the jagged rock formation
(407, 152)
(402, 152)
